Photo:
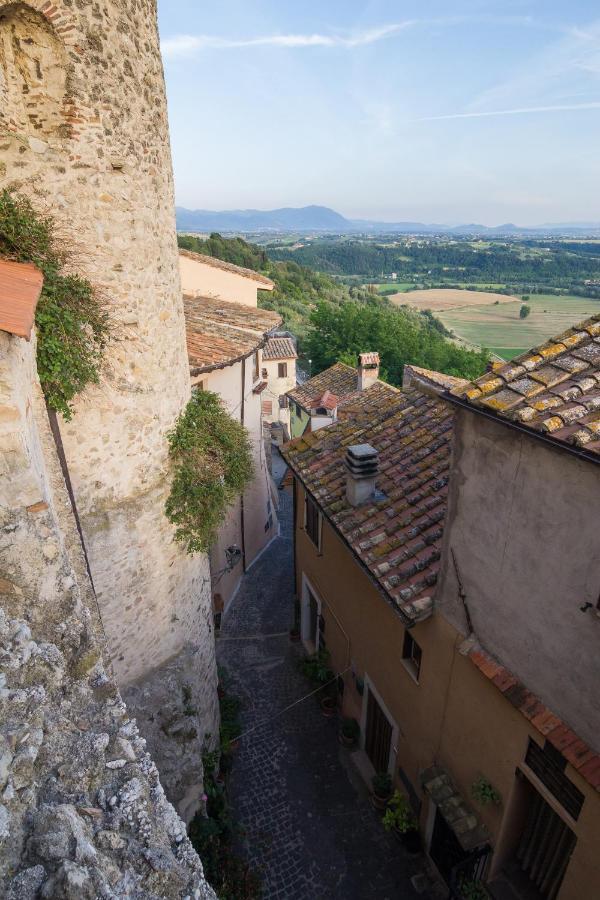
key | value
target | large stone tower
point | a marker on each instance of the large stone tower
(84, 133)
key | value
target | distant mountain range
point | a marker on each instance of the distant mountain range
(327, 221)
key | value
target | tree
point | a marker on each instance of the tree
(524, 311)
(400, 336)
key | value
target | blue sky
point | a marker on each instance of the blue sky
(474, 111)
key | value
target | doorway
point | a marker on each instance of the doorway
(311, 614)
(545, 847)
(378, 735)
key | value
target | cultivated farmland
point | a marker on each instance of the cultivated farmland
(437, 299)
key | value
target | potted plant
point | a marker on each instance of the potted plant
(382, 789)
(472, 890)
(349, 732)
(400, 820)
(295, 633)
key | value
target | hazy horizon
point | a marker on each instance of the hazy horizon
(386, 111)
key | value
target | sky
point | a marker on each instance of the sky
(474, 111)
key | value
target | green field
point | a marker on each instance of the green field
(500, 327)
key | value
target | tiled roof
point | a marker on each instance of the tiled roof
(340, 379)
(585, 760)
(327, 400)
(219, 333)
(362, 402)
(279, 348)
(396, 538)
(437, 380)
(266, 283)
(553, 389)
(20, 289)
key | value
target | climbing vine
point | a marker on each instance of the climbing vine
(212, 464)
(71, 320)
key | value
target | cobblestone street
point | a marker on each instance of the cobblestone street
(307, 822)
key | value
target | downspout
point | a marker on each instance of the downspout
(294, 514)
(242, 523)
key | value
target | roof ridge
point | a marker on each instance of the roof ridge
(227, 266)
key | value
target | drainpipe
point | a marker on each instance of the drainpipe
(242, 523)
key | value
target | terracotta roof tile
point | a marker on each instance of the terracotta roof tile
(583, 758)
(396, 536)
(340, 379)
(279, 348)
(266, 283)
(20, 289)
(548, 389)
(218, 333)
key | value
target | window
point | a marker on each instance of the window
(282, 370)
(549, 765)
(267, 407)
(256, 366)
(312, 521)
(411, 656)
(264, 374)
(283, 401)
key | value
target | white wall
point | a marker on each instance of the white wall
(227, 383)
(276, 387)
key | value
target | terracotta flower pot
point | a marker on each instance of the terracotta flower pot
(328, 706)
(294, 635)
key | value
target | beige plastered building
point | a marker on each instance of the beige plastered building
(226, 334)
(461, 608)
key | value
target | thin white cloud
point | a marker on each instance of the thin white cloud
(519, 111)
(187, 44)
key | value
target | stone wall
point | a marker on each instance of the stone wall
(82, 810)
(84, 132)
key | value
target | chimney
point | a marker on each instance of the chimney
(368, 370)
(362, 465)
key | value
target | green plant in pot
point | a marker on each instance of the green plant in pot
(472, 890)
(400, 820)
(382, 789)
(349, 732)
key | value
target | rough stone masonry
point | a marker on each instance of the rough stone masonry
(83, 814)
(83, 132)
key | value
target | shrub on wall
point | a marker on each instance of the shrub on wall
(212, 463)
(71, 321)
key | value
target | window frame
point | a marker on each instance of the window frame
(319, 521)
(412, 656)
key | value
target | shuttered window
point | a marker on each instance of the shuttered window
(312, 521)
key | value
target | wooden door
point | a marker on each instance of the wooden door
(313, 618)
(378, 735)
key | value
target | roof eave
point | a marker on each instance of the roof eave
(406, 620)
(546, 439)
(211, 367)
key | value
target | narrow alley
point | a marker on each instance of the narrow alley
(306, 819)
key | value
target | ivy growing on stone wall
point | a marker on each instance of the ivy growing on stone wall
(72, 322)
(212, 465)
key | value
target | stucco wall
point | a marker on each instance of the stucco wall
(453, 717)
(523, 525)
(298, 420)
(227, 383)
(83, 812)
(209, 281)
(277, 387)
(91, 145)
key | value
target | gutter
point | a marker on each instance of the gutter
(546, 439)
